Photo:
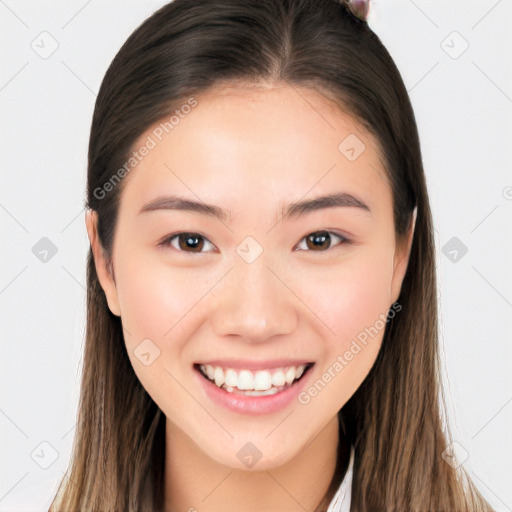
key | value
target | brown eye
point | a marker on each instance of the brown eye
(320, 241)
(190, 241)
(187, 242)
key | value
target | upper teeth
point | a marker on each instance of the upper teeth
(260, 380)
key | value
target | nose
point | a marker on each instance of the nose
(254, 303)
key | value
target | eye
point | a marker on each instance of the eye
(320, 241)
(187, 242)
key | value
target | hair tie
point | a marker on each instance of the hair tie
(359, 8)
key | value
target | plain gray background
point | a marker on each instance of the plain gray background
(455, 61)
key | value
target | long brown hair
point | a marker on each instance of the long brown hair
(395, 419)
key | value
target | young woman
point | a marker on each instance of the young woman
(262, 302)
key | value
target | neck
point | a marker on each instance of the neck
(196, 482)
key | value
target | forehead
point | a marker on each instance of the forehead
(239, 142)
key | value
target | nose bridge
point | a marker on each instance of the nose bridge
(253, 303)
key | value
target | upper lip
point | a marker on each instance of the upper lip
(251, 364)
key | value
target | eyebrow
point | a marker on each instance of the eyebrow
(341, 199)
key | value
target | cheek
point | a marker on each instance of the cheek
(154, 298)
(361, 297)
(351, 297)
(154, 302)
(353, 301)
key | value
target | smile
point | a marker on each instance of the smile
(253, 383)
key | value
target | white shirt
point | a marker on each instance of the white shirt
(342, 498)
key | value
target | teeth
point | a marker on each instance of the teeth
(231, 378)
(290, 375)
(218, 376)
(271, 391)
(261, 382)
(245, 380)
(278, 379)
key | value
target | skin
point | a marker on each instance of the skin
(253, 151)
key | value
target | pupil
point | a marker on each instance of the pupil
(319, 239)
(190, 241)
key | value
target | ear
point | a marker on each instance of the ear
(401, 259)
(105, 274)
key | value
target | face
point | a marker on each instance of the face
(286, 303)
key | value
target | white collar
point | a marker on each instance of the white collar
(342, 498)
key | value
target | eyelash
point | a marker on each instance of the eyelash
(168, 240)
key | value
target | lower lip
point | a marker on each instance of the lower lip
(245, 404)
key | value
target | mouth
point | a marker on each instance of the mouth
(254, 383)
